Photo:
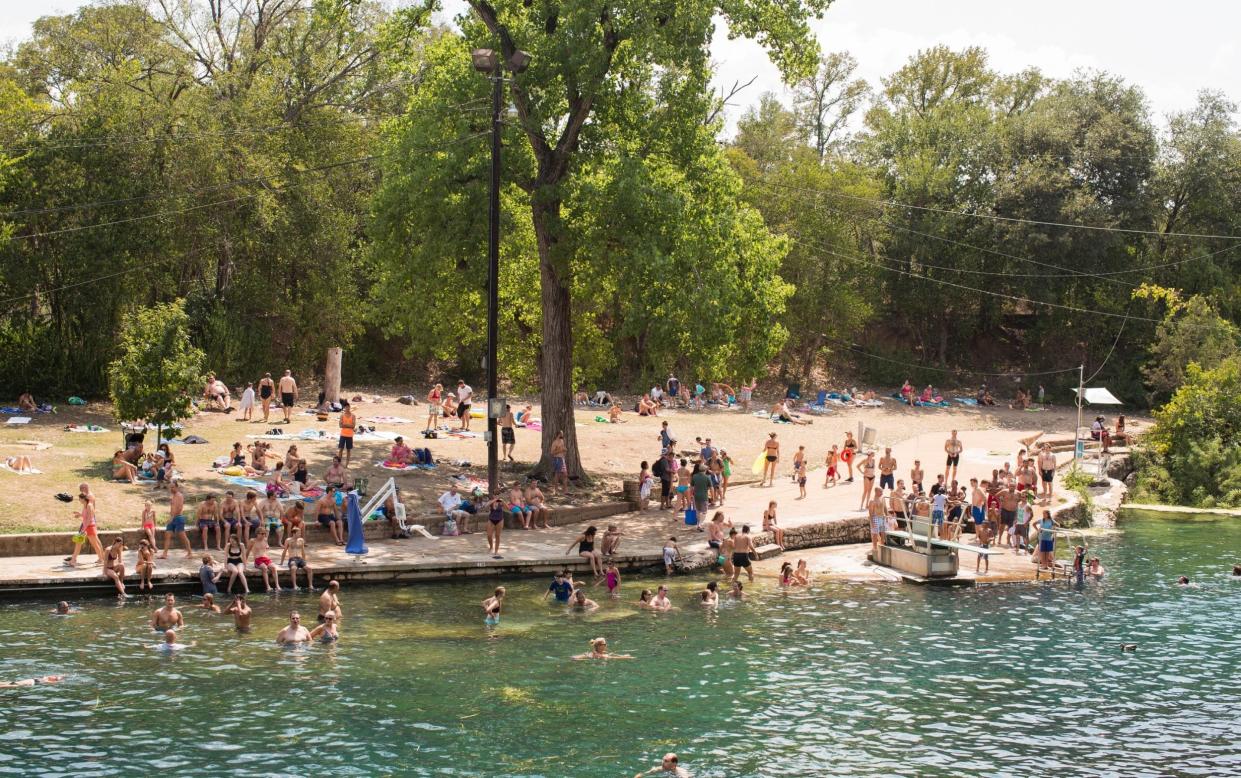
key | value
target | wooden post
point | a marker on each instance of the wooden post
(331, 375)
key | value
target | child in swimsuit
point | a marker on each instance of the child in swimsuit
(613, 580)
(148, 522)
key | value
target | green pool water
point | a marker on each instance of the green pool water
(837, 680)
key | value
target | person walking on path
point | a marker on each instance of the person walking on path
(88, 530)
(288, 394)
(267, 390)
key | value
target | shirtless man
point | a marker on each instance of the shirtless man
(560, 470)
(241, 613)
(771, 454)
(295, 554)
(271, 511)
(799, 459)
(206, 518)
(581, 602)
(294, 633)
(916, 476)
(978, 505)
(508, 435)
(899, 508)
(743, 544)
(288, 393)
(953, 448)
(328, 513)
(230, 516)
(1008, 511)
(329, 601)
(1047, 470)
(176, 523)
(887, 470)
(878, 523)
(167, 617)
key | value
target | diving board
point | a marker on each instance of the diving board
(901, 534)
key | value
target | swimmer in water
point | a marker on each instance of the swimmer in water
(644, 599)
(167, 617)
(670, 766)
(1183, 581)
(295, 632)
(492, 606)
(170, 642)
(737, 592)
(613, 579)
(599, 650)
(711, 595)
(581, 602)
(660, 601)
(327, 632)
(802, 574)
(1095, 569)
(32, 681)
(241, 613)
(63, 609)
(209, 603)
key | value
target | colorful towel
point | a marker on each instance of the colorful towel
(403, 468)
(248, 483)
(390, 420)
(968, 402)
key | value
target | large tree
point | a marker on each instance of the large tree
(589, 62)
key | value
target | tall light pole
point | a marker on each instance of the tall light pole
(489, 62)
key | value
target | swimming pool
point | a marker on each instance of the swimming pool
(838, 680)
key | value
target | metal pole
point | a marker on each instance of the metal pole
(1081, 387)
(493, 285)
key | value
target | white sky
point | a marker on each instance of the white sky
(1170, 50)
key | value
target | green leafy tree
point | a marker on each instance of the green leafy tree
(158, 369)
(590, 62)
(1191, 334)
(1193, 455)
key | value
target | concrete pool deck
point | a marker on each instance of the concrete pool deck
(826, 517)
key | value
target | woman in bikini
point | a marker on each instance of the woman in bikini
(868, 478)
(492, 606)
(769, 525)
(235, 563)
(848, 453)
(122, 469)
(257, 550)
(771, 455)
(328, 631)
(114, 566)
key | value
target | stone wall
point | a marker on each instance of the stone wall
(51, 543)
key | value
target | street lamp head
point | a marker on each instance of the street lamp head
(519, 61)
(485, 60)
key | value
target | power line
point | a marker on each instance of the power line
(1103, 275)
(942, 282)
(996, 217)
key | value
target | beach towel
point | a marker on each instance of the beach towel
(465, 434)
(31, 471)
(534, 424)
(373, 435)
(248, 483)
(387, 465)
(937, 404)
(389, 420)
(84, 428)
(968, 402)
(19, 420)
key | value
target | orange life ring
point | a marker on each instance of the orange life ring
(846, 456)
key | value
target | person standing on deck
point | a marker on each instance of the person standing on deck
(347, 424)
(953, 448)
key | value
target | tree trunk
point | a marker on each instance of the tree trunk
(331, 375)
(556, 354)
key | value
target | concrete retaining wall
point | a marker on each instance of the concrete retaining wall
(50, 543)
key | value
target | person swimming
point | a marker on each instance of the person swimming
(599, 650)
(328, 631)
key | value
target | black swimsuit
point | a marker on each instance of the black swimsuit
(265, 392)
(585, 546)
